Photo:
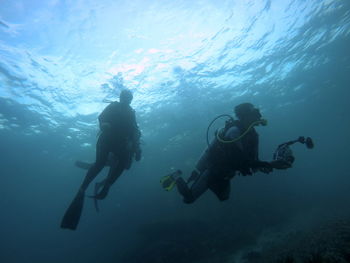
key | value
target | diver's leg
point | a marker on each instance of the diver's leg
(114, 172)
(202, 165)
(221, 188)
(101, 158)
(197, 188)
(203, 162)
(111, 161)
(99, 185)
(184, 190)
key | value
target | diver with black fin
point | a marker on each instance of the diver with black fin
(234, 150)
(120, 136)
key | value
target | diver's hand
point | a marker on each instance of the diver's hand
(280, 165)
(138, 154)
(245, 170)
(265, 167)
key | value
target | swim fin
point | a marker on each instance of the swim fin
(72, 216)
(169, 181)
(83, 165)
(97, 188)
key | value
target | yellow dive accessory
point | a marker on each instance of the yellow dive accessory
(169, 181)
(262, 122)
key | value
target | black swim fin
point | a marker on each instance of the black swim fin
(83, 165)
(97, 188)
(72, 216)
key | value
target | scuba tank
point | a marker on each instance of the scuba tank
(283, 156)
(228, 124)
(216, 150)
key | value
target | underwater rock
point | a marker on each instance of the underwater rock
(327, 243)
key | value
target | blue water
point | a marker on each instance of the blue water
(186, 62)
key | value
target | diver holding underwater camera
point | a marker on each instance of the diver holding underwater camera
(234, 150)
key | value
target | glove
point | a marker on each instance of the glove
(138, 154)
(245, 170)
(265, 167)
(280, 164)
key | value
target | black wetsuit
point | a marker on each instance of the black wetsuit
(220, 162)
(121, 139)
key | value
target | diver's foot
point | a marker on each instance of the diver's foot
(99, 195)
(102, 194)
(98, 186)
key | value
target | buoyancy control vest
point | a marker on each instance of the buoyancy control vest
(121, 118)
(238, 154)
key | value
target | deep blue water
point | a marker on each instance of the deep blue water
(186, 62)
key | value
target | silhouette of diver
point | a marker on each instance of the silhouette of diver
(119, 138)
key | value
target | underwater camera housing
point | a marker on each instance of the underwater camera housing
(283, 157)
(308, 142)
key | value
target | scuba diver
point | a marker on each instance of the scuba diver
(119, 138)
(234, 150)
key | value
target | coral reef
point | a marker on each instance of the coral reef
(199, 242)
(327, 243)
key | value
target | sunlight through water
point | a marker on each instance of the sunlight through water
(62, 59)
